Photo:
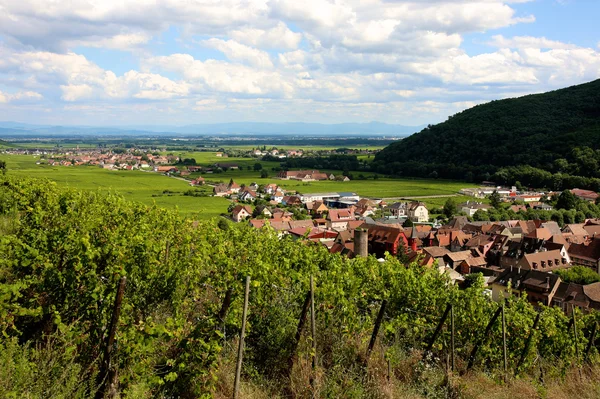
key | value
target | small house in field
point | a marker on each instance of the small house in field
(165, 169)
(234, 187)
(221, 190)
(199, 181)
(241, 212)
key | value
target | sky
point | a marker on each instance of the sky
(179, 62)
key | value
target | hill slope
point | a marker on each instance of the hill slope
(533, 130)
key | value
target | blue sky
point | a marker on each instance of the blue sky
(172, 62)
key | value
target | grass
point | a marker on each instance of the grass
(146, 187)
(152, 188)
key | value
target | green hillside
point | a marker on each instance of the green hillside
(540, 130)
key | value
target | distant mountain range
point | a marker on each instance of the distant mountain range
(235, 128)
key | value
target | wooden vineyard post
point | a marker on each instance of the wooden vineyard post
(528, 343)
(576, 339)
(590, 342)
(488, 329)
(437, 330)
(376, 330)
(108, 375)
(238, 367)
(313, 334)
(452, 348)
(505, 355)
(299, 329)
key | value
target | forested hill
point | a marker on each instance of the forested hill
(535, 130)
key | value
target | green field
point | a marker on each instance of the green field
(152, 188)
(146, 187)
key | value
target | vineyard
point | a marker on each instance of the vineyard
(108, 298)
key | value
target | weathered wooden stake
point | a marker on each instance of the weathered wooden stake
(376, 329)
(437, 330)
(314, 335)
(299, 329)
(590, 342)
(238, 367)
(108, 375)
(576, 339)
(527, 343)
(389, 367)
(488, 329)
(452, 347)
(504, 339)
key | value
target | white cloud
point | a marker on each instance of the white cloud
(21, 96)
(390, 58)
(240, 52)
(278, 37)
(73, 92)
(529, 42)
(219, 76)
(123, 41)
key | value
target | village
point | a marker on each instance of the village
(515, 257)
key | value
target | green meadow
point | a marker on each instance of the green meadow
(153, 188)
(147, 187)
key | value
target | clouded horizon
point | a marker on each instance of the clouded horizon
(201, 61)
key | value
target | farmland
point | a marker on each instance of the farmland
(156, 189)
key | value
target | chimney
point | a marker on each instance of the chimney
(361, 242)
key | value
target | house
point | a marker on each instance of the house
(586, 254)
(271, 189)
(199, 181)
(277, 197)
(540, 287)
(585, 195)
(165, 169)
(221, 190)
(454, 259)
(545, 261)
(263, 210)
(417, 212)
(303, 175)
(398, 209)
(234, 187)
(569, 296)
(291, 200)
(338, 219)
(247, 195)
(317, 208)
(241, 212)
(282, 214)
(384, 239)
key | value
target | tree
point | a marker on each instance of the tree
(495, 199)
(449, 208)
(258, 166)
(408, 223)
(264, 174)
(3, 166)
(566, 200)
(578, 275)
